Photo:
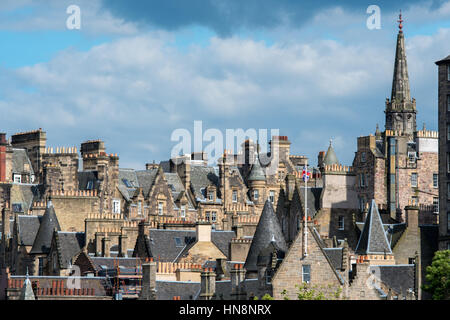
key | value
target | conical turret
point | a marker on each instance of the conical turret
(44, 235)
(330, 157)
(268, 231)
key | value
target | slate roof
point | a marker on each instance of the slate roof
(445, 60)
(330, 157)
(400, 278)
(257, 172)
(29, 193)
(335, 256)
(85, 176)
(49, 223)
(19, 159)
(393, 231)
(69, 244)
(176, 187)
(201, 177)
(267, 230)
(166, 290)
(313, 198)
(164, 247)
(128, 176)
(28, 227)
(146, 179)
(223, 288)
(373, 238)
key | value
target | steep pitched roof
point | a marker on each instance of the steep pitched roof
(168, 245)
(28, 227)
(201, 177)
(267, 230)
(373, 238)
(146, 178)
(69, 244)
(330, 157)
(44, 235)
(19, 160)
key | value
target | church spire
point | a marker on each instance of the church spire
(401, 109)
(400, 83)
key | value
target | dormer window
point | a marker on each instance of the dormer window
(17, 178)
(210, 196)
(256, 194)
(183, 211)
(140, 207)
(90, 185)
(160, 208)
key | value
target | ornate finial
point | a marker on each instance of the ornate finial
(400, 20)
(331, 141)
(424, 128)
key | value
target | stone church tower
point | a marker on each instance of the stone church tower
(401, 109)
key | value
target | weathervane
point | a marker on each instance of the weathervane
(400, 20)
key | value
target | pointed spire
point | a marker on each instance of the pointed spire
(373, 238)
(49, 223)
(26, 292)
(400, 83)
(268, 231)
(330, 157)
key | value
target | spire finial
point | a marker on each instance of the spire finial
(331, 141)
(400, 20)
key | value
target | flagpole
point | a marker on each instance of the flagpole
(305, 231)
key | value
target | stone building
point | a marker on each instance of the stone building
(444, 151)
(400, 164)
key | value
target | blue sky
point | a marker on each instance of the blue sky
(135, 73)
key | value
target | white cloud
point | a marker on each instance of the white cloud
(139, 88)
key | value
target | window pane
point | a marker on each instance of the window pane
(413, 179)
(436, 205)
(306, 273)
(435, 180)
(448, 102)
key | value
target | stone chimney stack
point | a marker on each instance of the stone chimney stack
(412, 216)
(208, 284)
(106, 246)
(203, 231)
(237, 282)
(148, 291)
(123, 245)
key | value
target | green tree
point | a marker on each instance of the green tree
(307, 292)
(438, 276)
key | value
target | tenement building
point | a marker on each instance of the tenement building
(444, 152)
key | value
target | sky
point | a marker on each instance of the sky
(136, 71)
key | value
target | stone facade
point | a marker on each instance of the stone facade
(444, 150)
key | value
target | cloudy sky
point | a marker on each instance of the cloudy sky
(132, 74)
